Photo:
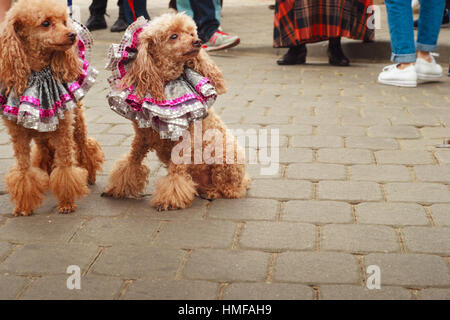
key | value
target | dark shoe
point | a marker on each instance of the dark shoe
(336, 56)
(295, 55)
(96, 23)
(119, 26)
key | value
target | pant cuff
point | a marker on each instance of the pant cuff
(426, 47)
(403, 58)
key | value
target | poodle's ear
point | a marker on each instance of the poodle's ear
(14, 67)
(204, 65)
(65, 65)
(143, 73)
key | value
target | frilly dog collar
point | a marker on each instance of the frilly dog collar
(187, 98)
(46, 99)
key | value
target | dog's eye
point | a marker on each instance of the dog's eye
(174, 36)
(46, 24)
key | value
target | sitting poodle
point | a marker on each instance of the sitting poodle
(44, 73)
(165, 83)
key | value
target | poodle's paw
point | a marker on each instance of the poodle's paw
(27, 189)
(210, 195)
(66, 207)
(22, 212)
(174, 192)
(127, 180)
(68, 184)
(161, 205)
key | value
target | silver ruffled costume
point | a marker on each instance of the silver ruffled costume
(46, 99)
(187, 98)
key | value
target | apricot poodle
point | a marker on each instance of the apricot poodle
(44, 73)
(166, 83)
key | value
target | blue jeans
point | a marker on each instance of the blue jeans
(205, 18)
(140, 9)
(401, 28)
(185, 6)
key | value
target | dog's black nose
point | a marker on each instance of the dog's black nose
(72, 36)
(197, 43)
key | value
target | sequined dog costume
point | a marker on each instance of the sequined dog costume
(166, 84)
(45, 108)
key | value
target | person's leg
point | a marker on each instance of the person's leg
(4, 7)
(218, 7)
(121, 23)
(185, 6)
(140, 9)
(97, 11)
(205, 18)
(401, 29)
(430, 19)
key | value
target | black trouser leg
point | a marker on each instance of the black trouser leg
(98, 7)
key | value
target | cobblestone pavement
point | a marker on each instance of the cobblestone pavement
(361, 183)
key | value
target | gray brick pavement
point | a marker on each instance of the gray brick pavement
(360, 183)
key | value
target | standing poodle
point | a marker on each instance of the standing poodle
(165, 83)
(44, 73)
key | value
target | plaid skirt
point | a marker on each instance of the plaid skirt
(306, 21)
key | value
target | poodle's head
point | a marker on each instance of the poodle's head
(36, 34)
(166, 44)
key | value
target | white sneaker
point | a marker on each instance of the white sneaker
(428, 70)
(391, 75)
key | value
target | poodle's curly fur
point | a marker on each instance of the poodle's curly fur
(161, 59)
(28, 46)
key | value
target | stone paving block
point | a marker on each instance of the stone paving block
(280, 189)
(434, 240)
(395, 214)
(435, 133)
(365, 121)
(11, 286)
(132, 262)
(441, 214)
(259, 119)
(316, 171)
(259, 171)
(433, 173)
(6, 151)
(45, 258)
(293, 155)
(371, 143)
(40, 228)
(291, 130)
(123, 230)
(315, 120)
(404, 157)
(380, 173)
(426, 193)
(196, 234)
(5, 247)
(414, 120)
(345, 156)
(95, 205)
(317, 268)
(443, 156)
(243, 209)
(171, 290)
(268, 291)
(349, 191)
(227, 265)
(48, 206)
(401, 132)
(410, 270)
(434, 294)
(421, 145)
(277, 236)
(110, 139)
(317, 142)
(124, 129)
(55, 288)
(142, 208)
(358, 238)
(348, 292)
(318, 212)
(343, 131)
